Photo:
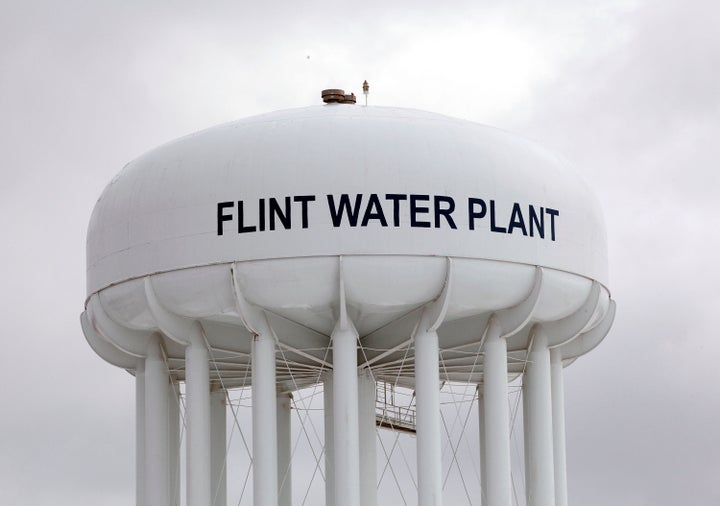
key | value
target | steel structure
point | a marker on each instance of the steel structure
(345, 244)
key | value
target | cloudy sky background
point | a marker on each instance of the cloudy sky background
(629, 91)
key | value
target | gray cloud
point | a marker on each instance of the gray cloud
(629, 93)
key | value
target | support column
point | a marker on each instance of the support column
(483, 458)
(173, 404)
(558, 423)
(197, 389)
(284, 448)
(140, 433)
(368, 439)
(539, 473)
(496, 470)
(157, 486)
(264, 417)
(427, 391)
(218, 447)
(329, 446)
(345, 417)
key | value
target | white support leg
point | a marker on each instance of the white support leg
(264, 417)
(427, 389)
(345, 417)
(539, 473)
(197, 385)
(483, 459)
(218, 448)
(496, 470)
(329, 446)
(140, 433)
(157, 486)
(558, 423)
(368, 456)
(284, 447)
(173, 403)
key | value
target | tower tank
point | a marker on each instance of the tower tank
(350, 246)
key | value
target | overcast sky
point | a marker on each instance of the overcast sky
(629, 91)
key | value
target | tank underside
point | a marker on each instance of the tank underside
(383, 298)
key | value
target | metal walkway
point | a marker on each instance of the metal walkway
(394, 411)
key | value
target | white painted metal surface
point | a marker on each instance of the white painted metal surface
(140, 433)
(173, 435)
(483, 445)
(367, 437)
(386, 235)
(346, 437)
(427, 390)
(197, 381)
(497, 419)
(218, 447)
(264, 415)
(284, 444)
(160, 213)
(558, 423)
(157, 447)
(329, 410)
(539, 467)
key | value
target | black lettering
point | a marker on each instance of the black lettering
(241, 219)
(537, 221)
(472, 213)
(377, 214)
(221, 216)
(517, 220)
(415, 209)
(439, 211)
(304, 199)
(552, 213)
(276, 211)
(493, 227)
(261, 215)
(396, 198)
(336, 213)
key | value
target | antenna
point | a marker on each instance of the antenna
(366, 90)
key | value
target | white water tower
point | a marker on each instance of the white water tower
(349, 246)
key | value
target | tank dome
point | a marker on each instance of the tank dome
(344, 180)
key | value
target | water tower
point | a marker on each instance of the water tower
(349, 246)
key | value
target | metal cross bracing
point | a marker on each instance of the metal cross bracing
(458, 403)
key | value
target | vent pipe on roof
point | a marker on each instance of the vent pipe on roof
(336, 96)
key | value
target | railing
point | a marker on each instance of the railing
(389, 414)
